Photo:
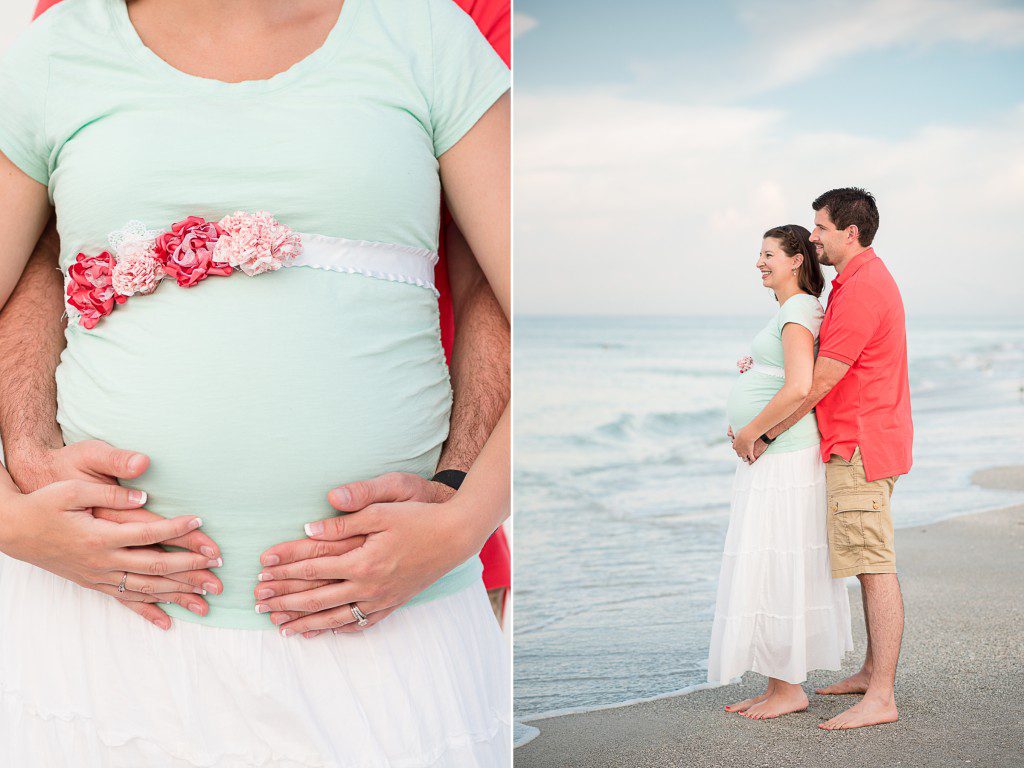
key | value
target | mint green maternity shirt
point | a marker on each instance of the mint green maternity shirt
(753, 390)
(254, 396)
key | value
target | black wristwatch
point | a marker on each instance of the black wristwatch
(767, 440)
(451, 477)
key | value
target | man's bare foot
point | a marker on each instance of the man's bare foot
(742, 706)
(866, 712)
(783, 701)
(857, 683)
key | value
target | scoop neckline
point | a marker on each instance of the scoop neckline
(130, 37)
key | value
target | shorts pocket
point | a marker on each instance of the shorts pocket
(858, 519)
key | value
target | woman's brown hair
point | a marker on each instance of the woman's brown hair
(794, 240)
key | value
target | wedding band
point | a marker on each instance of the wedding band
(358, 615)
(120, 587)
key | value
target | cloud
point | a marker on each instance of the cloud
(630, 206)
(825, 32)
(521, 23)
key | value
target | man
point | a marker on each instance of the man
(479, 357)
(861, 392)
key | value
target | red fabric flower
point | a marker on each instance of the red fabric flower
(90, 288)
(186, 252)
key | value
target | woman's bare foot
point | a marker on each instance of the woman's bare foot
(866, 712)
(784, 700)
(743, 706)
(856, 683)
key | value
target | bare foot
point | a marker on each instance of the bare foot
(742, 706)
(866, 712)
(783, 701)
(857, 683)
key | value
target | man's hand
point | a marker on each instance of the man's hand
(395, 490)
(97, 462)
(759, 447)
(94, 461)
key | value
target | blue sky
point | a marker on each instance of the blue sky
(671, 130)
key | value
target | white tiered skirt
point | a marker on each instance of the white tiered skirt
(779, 611)
(85, 682)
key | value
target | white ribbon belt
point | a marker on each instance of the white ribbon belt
(768, 370)
(398, 263)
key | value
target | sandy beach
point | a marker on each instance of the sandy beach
(959, 686)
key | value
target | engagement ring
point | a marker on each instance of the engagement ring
(120, 587)
(359, 616)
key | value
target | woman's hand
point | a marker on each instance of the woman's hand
(405, 548)
(38, 465)
(743, 444)
(351, 497)
(54, 528)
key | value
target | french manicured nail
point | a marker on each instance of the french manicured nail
(208, 550)
(314, 529)
(287, 632)
(270, 560)
(196, 608)
(262, 608)
(263, 594)
(198, 591)
(137, 497)
(341, 496)
(215, 563)
(265, 576)
(209, 586)
(195, 524)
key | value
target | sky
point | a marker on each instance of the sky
(656, 141)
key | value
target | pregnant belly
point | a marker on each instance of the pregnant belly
(254, 397)
(748, 397)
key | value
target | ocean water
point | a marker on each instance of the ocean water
(623, 474)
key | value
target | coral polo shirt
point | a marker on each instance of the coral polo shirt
(494, 19)
(865, 327)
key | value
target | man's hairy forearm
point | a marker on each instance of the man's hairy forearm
(480, 360)
(827, 373)
(31, 340)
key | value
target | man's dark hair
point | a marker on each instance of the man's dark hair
(851, 205)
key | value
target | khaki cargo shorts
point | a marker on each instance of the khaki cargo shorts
(860, 531)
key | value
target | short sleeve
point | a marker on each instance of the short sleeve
(803, 310)
(468, 76)
(851, 326)
(24, 79)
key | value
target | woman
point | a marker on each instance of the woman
(247, 199)
(779, 611)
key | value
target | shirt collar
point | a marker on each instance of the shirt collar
(856, 263)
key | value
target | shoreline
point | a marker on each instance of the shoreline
(656, 728)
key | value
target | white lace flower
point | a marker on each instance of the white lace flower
(132, 240)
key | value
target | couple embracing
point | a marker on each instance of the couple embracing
(820, 418)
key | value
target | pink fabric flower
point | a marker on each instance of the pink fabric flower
(745, 363)
(256, 242)
(186, 252)
(90, 288)
(137, 271)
